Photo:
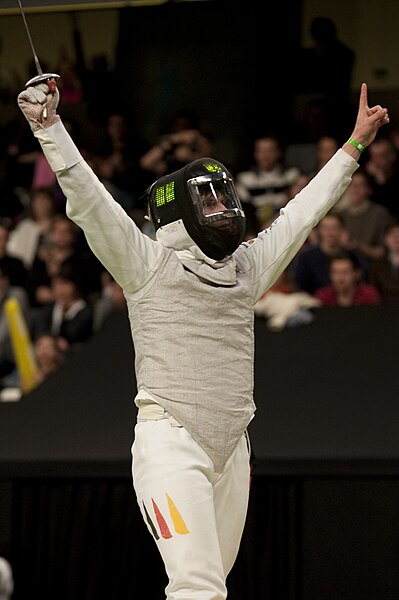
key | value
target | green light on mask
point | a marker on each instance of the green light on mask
(165, 194)
(212, 167)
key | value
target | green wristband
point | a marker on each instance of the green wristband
(357, 145)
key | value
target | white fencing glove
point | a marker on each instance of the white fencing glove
(39, 105)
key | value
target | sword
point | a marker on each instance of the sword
(49, 78)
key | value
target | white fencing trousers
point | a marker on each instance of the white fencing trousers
(195, 515)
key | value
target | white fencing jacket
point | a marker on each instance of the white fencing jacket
(191, 318)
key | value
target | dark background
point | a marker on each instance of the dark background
(234, 74)
(223, 59)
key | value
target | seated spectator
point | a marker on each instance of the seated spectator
(383, 167)
(265, 184)
(311, 266)
(346, 289)
(384, 273)
(68, 317)
(58, 246)
(63, 245)
(48, 356)
(7, 291)
(24, 239)
(365, 220)
(14, 266)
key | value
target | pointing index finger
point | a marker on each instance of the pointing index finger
(363, 96)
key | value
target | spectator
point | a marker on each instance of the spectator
(68, 317)
(383, 167)
(365, 220)
(176, 149)
(63, 245)
(311, 268)
(265, 185)
(34, 227)
(346, 288)
(48, 356)
(384, 273)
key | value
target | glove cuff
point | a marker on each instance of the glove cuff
(58, 147)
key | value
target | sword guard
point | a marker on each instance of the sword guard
(49, 78)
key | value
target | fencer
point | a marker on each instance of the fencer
(190, 294)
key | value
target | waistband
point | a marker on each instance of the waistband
(151, 411)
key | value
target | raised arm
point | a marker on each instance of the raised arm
(128, 254)
(274, 248)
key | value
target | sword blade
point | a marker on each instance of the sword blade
(37, 63)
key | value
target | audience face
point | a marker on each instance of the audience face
(330, 231)
(47, 353)
(63, 233)
(267, 153)
(326, 148)
(117, 129)
(344, 276)
(65, 291)
(359, 189)
(42, 205)
(382, 155)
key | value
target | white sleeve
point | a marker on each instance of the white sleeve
(129, 255)
(274, 248)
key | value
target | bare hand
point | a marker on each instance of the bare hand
(368, 120)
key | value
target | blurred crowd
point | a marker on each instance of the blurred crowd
(350, 259)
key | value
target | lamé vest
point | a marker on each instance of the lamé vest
(194, 352)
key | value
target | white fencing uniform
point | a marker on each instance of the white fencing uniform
(192, 329)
